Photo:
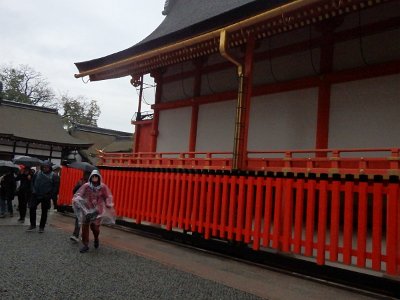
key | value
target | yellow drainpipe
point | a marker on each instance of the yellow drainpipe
(239, 104)
(278, 11)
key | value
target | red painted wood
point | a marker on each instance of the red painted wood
(240, 209)
(171, 200)
(202, 203)
(182, 204)
(309, 242)
(335, 221)
(232, 207)
(217, 206)
(195, 201)
(392, 265)
(189, 201)
(322, 220)
(249, 209)
(258, 213)
(276, 235)
(177, 198)
(287, 214)
(377, 226)
(267, 213)
(224, 206)
(348, 222)
(298, 218)
(209, 211)
(362, 224)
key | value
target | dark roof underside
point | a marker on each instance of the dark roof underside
(188, 18)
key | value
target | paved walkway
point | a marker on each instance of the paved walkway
(128, 266)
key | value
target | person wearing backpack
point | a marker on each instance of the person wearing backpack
(44, 189)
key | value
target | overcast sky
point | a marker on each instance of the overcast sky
(51, 35)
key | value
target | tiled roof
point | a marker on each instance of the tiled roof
(185, 19)
(36, 124)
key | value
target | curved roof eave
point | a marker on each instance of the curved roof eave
(168, 32)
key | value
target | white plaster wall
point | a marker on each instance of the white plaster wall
(283, 121)
(365, 113)
(174, 128)
(216, 125)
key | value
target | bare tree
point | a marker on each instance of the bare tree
(24, 84)
(79, 110)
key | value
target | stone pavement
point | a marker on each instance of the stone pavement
(129, 266)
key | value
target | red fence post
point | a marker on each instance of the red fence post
(276, 237)
(287, 214)
(267, 212)
(240, 208)
(249, 209)
(195, 202)
(257, 217)
(377, 226)
(335, 221)
(232, 206)
(391, 229)
(322, 216)
(202, 205)
(362, 224)
(217, 205)
(189, 201)
(298, 219)
(348, 222)
(209, 212)
(184, 197)
(309, 243)
(224, 206)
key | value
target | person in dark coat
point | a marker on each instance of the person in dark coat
(7, 192)
(24, 191)
(44, 189)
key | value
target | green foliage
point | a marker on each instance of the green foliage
(23, 84)
(79, 110)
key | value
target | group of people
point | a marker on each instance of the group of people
(32, 187)
(92, 200)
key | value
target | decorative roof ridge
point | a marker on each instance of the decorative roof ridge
(94, 129)
(28, 106)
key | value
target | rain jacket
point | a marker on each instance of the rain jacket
(94, 203)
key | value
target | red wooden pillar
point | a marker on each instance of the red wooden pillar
(139, 111)
(195, 107)
(324, 91)
(154, 127)
(247, 93)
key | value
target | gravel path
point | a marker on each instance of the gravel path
(49, 266)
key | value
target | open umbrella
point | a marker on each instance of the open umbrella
(81, 165)
(7, 166)
(27, 161)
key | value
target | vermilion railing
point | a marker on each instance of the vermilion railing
(375, 161)
(350, 222)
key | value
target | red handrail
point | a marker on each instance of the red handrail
(367, 161)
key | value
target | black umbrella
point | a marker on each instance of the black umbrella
(27, 161)
(81, 165)
(7, 166)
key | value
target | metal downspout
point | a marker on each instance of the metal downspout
(239, 104)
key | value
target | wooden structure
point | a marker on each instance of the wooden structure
(275, 123)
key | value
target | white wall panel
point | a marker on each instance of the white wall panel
(174, 127)
(366, 113)
(283, 121)
(216, 124)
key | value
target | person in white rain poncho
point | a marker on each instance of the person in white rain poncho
(93, 205)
